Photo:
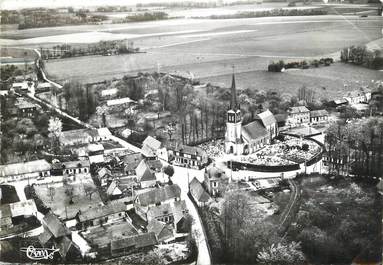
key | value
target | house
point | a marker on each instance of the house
(243, 138)
(104, 175)
(200, 196)
(338, 102)
(58, 235)
(25, 108)
(23, 208)
(27, 170)
(170, 213)
(79, 137)
(154, 165)
(150, 146)
(98, 216)
(141, 242)
(95, 153)
(298, 115)
(355, 97)
(318, 116)
(43, 87)
(163, 231)
(269, 122)
(131, 162)
(189, 156)
(109, 92)
(113, 191)
(145, 176)
(120, 101)
(22, 87)
(75, 167)
(144, 201)
(215, 180)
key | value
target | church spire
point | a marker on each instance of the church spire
(233, 102)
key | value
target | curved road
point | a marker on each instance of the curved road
(285, 221)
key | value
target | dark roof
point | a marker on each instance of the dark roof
(64, 245)
(253, 130)
(138, 241)
(214, 172)
(154, 164)
(318, 113)
(24, 168)
(280, 117)
(97, 212)
(267, 118)
(5, 211)
(55, 226)
(76, 164)
(45, 236)
(193, 150)
(175, 208)
(131, 161)
(159, 195)
(198, 192)
(144, 173)
(160, 229)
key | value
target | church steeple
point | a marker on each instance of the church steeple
(233, 91)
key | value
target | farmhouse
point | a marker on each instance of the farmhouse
(215, 180)
(150, 147)
(145, 176)
(318, 116)
(163, 231)
(200, 196)
(25, 108)
(189, 156)
(27, 170)
(97, 216)
(355, 97)
(298, 115)
(23, 208)
(79, 137)
(169, 213)
(131, 162)
(141, 242)
(104, 175)
(75, 167)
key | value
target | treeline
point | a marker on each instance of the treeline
(273, 13)
(187, 4)
(100, 48)
(360, 55)
(147, 16)
(278, 66)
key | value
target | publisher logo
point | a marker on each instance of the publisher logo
(39, 253)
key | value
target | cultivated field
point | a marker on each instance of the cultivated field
(208, 49)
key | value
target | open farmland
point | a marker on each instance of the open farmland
(208, 49)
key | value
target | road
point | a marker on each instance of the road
(285, 221)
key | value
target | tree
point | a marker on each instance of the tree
(69, 191)
(169, 170)
(282, 253)
(89, 189)
(55, 131)
(51, 192)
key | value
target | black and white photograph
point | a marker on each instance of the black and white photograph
(196, 132)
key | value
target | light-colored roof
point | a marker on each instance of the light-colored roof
(95, 147)
(20, 208)
(44, 85)
(21, 103)
(104, 132)
(104, 172)
(24, 168)
(152, 143)
(176, 209)
(23, 85)
(267, 118)
(119, 101)
(144, 173)
(79, 135)
(159, 195)
(253, 130)
(298, 109)
(109, 92)
(113, 189)
(131, 161)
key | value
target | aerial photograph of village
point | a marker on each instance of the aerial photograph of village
(191, 132)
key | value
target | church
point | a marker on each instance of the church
(243, 139)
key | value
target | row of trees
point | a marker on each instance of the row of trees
(356, 147)
(100, 48)
(360, 55)
(279, 66)
(274, 13)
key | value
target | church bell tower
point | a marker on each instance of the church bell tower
(233, 138)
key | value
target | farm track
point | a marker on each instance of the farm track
(288, 215)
